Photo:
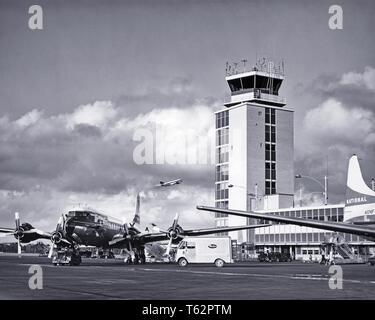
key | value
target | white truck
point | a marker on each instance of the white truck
(216, 250)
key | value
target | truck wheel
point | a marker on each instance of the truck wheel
(182, 262)
(219, 263)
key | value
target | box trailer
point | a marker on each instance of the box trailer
(217, 250)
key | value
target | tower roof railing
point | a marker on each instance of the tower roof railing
(262, 64)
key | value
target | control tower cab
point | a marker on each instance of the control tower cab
(260, 84)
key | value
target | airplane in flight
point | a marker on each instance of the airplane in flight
(359, 211)
(88, 227)
(169, 183)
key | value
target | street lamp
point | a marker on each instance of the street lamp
(251, 195)
(325, 186)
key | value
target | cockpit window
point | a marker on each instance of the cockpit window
(82, 215)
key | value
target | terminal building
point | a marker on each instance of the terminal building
(255, 166)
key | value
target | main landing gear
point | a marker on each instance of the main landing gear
(67, 256)
(137, 256)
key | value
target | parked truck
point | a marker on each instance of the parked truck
(217, 250)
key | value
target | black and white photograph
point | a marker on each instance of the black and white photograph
(202, 152)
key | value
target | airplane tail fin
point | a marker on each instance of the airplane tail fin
(137, 217)
(360, 199)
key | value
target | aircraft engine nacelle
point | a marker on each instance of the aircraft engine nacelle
(56, 237)
(173, 233)
(25, 237)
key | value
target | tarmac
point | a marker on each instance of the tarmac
(112, 279)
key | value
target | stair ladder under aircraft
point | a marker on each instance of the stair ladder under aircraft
(341, 247)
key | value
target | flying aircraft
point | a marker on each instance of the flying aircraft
(88, 227)
(169, 183)
(359, 211)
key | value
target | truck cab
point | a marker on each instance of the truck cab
(217, 250)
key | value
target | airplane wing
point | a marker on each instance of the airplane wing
(160, 236)
(6, 230)
(201, 232)
(39, 233)
(327, 225)
(29, 234)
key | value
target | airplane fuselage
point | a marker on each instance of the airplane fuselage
(93, 229)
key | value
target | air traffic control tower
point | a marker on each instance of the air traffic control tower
(254, 145)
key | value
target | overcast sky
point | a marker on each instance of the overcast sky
(73, 94)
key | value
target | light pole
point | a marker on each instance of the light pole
(325, 186)
(250, 195)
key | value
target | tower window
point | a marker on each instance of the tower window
(222, 119)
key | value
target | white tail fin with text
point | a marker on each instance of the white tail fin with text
(360, 198)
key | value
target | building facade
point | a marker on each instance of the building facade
(254, 147)
(255, 168)
(304, 242)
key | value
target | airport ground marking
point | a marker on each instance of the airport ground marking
(295, 277)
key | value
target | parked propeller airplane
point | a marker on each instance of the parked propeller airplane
(88, 227)
(359, 211)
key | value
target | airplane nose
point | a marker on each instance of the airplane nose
(69, 228)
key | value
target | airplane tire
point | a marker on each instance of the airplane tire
(182, 262)
(76, 261)
(143, 259)
(219, 263)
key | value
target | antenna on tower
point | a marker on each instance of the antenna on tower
(244, 64)
(235, 67)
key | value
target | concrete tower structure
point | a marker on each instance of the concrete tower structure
(254, 145)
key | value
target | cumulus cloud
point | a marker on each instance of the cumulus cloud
(337, 123)
(29, 118)
(340, 125)
(86, 156)
(365, 79)
(99, 114)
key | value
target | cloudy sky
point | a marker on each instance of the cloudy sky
(74, 94)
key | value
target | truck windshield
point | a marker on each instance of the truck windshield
(182, 245)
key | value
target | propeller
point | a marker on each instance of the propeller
(173, 233)
(24, 229)
(18, 233)
(128, 236)
(57, 235)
